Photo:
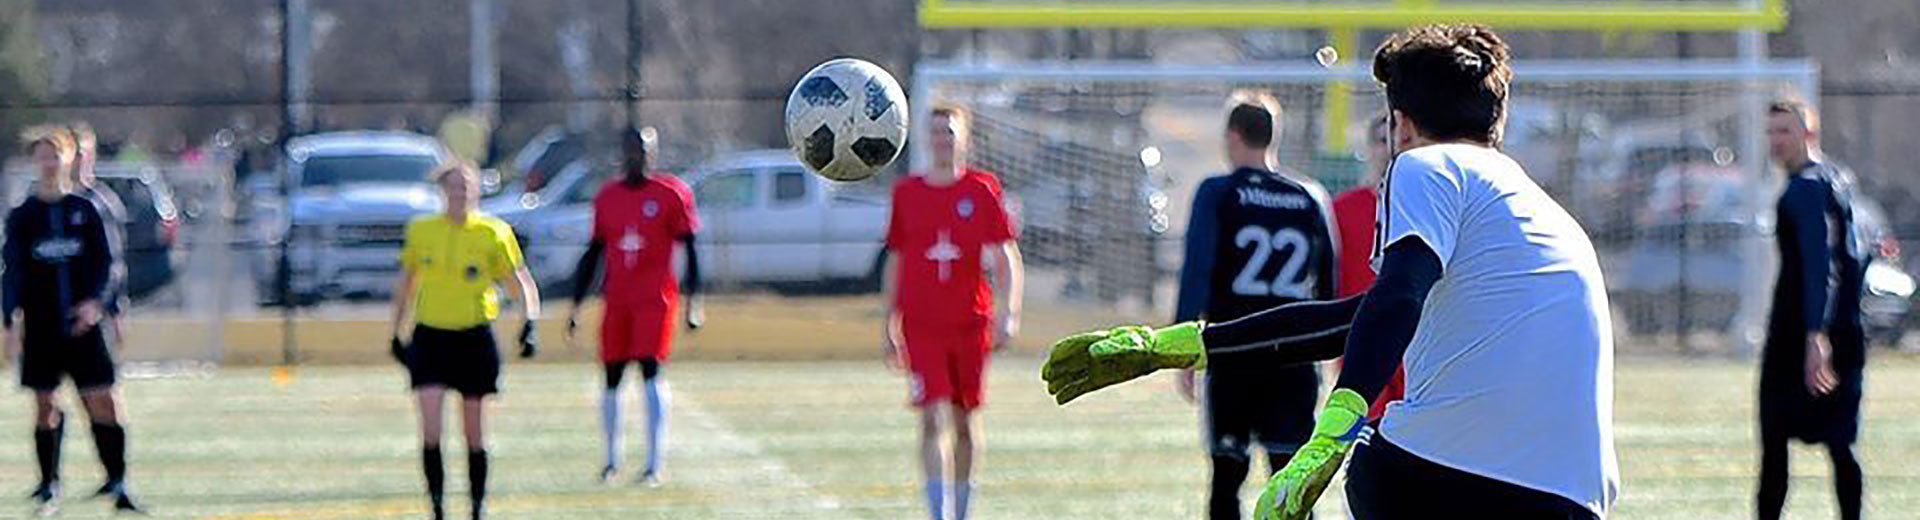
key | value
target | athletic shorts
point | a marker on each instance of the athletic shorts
(49, 356)
(467, 361)
(636, 333)
(1385, 482)
(947, 363)
(1270, 408)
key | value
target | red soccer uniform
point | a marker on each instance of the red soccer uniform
(639, 225)
(936, 234)
(1356, 211)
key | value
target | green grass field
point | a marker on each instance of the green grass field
(832, 440)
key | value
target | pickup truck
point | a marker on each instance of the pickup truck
(346, 217)
(765, 221)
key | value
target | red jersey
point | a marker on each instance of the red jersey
(1355, 211)
(936, 234)
(639, 225)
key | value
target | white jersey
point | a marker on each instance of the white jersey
(1510, 375)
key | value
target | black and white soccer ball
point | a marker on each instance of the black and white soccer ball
(847, 119)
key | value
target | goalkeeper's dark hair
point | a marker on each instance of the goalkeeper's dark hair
(1254, 116)
(1451, 79)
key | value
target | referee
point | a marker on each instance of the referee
(450, 265)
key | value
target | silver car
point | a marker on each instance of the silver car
(346, 214)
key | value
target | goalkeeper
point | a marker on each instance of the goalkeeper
(1488, 291)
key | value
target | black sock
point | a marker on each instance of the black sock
(436, 472)
(477, 480)
(46, 448)
(1229, 473)
(111, 441)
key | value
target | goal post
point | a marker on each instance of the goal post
(1102, 160)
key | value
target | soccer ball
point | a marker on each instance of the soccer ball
(847, 119)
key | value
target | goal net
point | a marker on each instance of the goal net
(1663, 162)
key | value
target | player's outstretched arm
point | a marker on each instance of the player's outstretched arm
(1299, 332)
(1381, 332)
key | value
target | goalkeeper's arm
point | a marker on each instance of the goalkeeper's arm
(1388, 317)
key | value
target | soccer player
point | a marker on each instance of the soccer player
(641, 215)
(1811, 370)
(939, 311)
(1355, 210)
(58, 265)
(113, 213)
(1488, 290)
(450, 263)
(1257, 239)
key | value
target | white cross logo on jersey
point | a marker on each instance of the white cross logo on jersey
(630, 244)
(944, 252)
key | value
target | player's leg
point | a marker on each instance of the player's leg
(610, 417)
(93, 373)
(931, 390)
(49, 429)
(969, 364)
(1847, 479)
(1228, 432)
(431, 399)
(657, 399)
(616, 349)
(473, 419)
(933, 460)
(1772, 495)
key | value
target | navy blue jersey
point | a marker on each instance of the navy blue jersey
(1823, 265)
(57, 255)
(1256, 240)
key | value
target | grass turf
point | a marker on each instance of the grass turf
(833, 440)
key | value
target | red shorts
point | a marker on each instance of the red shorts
(947, 363)
(635, 333)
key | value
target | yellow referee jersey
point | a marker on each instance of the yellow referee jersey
(458, 267)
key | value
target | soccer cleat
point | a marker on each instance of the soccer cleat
(1293, 490)
(650, 479)
(46, 499)
(123, 501)
(608, 473)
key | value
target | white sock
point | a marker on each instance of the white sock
(610, 424)
(962, 493)
(657, 400)
(936, 500)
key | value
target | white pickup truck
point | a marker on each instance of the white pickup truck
(765, 221)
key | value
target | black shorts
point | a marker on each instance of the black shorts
(49, 355)
(1270, 408)
(466, 361)
(1385, 482)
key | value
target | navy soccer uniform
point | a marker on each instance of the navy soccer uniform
(1823, 265)
(1257, 239)
(57, 256)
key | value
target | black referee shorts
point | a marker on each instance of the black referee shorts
(467, 360)
(1384, 482)
(49, 355)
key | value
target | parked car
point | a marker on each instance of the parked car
(765, 221)
(352, 195)
(152, 228)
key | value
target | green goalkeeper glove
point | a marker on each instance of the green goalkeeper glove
(1292, 491)
(1090, 361)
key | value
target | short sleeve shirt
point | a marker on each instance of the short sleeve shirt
(639, 225)
(936, 235)
(458, 267)
(1510, 372)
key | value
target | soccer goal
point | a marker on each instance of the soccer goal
(1663, 162)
